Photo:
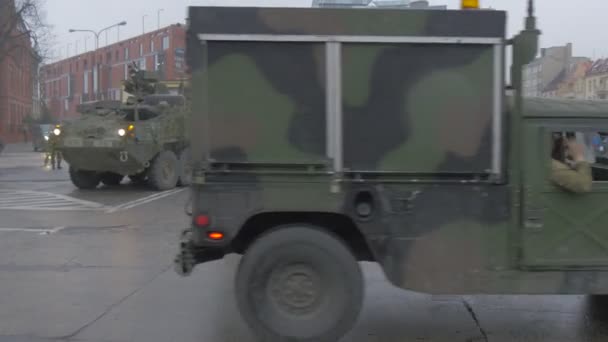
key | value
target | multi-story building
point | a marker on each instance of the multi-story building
(543, 70)
(17, 62)
(403, 4)
(569, 83)
(99, 74)
(596, 81)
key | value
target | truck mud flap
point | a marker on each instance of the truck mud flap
(189, 256)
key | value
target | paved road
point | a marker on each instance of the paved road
(96, 266)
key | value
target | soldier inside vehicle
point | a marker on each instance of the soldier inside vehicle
(571, 168)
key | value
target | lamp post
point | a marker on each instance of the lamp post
(158, 18)
(122, 23)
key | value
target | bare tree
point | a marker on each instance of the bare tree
(23, 29)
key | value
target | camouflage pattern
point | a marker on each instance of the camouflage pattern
(417, 148)
(152, 122)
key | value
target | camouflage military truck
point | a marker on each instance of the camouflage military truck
(332, 136)
(144, 139)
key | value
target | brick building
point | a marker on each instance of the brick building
(17, 66)
(99, 74)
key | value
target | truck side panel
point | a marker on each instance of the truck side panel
(418, 108)
(267, 102)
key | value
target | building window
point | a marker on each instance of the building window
(86, 82)
(142, 64)
(116, 54)
(141, 49)
(165, 42)
(126, 54)
(152, 45)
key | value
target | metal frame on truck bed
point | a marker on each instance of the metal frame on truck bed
(323, 137)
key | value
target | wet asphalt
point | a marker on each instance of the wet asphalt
(96, 266)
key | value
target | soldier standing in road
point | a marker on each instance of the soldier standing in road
(569, 168)
(52, 153)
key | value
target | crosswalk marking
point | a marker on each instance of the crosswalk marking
(39, 200)
(45, 201)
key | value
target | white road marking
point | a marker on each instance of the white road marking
(144, 200)
(32, 230)
(46, 201)
(39, 200)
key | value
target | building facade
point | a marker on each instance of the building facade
(596, 81)
(568, 84)
(17, 62)
(543, 70)
(99, 74)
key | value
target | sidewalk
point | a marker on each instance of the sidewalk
(19, 163)
(18, 148)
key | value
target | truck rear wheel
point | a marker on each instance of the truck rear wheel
(111, 178)
(164, 171)
(85, 180)
(299, 284)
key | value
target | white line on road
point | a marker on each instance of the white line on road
(40, 200)
(144, 200)
(33, 230)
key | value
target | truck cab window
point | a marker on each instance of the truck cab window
(578, 159)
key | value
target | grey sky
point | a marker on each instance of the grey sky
(561, 21)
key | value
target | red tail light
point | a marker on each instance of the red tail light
(202, 220)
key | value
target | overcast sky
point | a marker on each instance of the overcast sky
(562, 21)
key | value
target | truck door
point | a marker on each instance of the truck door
(562, 229)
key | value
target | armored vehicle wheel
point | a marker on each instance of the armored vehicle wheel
(111, 178)
(185, 169)
(299, 284)
(84, 179)
(164, 171)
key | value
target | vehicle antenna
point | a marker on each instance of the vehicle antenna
(531, 19)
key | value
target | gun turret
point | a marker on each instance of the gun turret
(141, 83)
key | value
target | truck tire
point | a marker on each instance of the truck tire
(85, 180)
(111, 178)
(299, 284)
(164, 171)
(185, 169)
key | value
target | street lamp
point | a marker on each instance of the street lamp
(158, 17)
(122, 23)
(143, 23)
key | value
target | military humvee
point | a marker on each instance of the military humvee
(332, 136)
(144, 139)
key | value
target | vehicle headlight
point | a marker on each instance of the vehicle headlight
(56, 131)
(122, 132)
(46, 137)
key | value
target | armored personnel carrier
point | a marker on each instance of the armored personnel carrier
(143, 139)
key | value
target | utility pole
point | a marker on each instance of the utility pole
(143, 23)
